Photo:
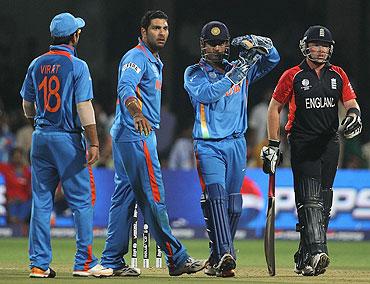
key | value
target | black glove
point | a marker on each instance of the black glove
(351, 125)
(271, 156)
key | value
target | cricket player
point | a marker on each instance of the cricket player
(313, 90)
(218, 90)
(138, 175)
(57, 94)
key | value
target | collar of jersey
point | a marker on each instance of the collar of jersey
(208, 68)
(144, 48)
(64, 47)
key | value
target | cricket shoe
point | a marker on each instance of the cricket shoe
(97, 271)
(191, 265)
(123, 272)
(226, 266)
(127, 271)
(319, 263)
(39, 273)
(209, 268)
(305, 271)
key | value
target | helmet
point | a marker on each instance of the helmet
(217, 32)
(316, 34)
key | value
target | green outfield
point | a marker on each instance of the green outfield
(350, 262)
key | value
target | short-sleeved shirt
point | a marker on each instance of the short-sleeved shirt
(313, 101)
(56, 81)
(139, 76)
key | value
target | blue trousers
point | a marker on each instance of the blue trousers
(221, 168)
(60, 156)
(138, 179)
(221, 162)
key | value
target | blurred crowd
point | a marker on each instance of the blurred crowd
(175, 150)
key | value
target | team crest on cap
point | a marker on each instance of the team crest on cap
(215, 31)
(322, 32)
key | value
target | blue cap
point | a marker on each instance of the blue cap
(215, 30)
(65, 24)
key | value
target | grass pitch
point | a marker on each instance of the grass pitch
(350, 263)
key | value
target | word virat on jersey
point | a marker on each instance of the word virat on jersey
(319, 102)
(49, 69)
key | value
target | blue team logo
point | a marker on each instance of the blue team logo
(212, 75)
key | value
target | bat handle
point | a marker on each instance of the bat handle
(271, 192)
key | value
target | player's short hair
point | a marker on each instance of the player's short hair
(150, 15)
(62, 40)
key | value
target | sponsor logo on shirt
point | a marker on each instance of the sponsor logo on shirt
(319, 103)
(158, 85)
(306, 85)
(233, 90)
(132, 66)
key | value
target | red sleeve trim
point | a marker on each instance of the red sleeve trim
(284, 88)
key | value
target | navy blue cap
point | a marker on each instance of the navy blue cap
(65, 24)
(318, 33)
(215, 30)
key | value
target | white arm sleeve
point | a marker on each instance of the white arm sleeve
(86, 113)
(29, 109)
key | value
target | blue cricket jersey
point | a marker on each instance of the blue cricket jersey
(220, 106)
(139, 76)
(56, 81)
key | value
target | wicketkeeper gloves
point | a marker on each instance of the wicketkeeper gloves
(351, 125)
(238, 72)
(271, 156)
(258, 44)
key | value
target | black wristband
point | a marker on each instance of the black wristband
(274, 143)
(354, 110)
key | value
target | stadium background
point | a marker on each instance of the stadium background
(112, 28)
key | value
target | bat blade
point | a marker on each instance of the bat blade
(269, 241)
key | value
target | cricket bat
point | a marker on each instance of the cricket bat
(270, 227)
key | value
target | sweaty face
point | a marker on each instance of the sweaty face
(156, 35)
(214, 51)
(318, 51)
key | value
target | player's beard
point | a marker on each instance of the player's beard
(154, 45)
(215, 57)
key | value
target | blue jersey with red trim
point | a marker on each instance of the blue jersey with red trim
(220, 107)
(139, 76)
(56, 81)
